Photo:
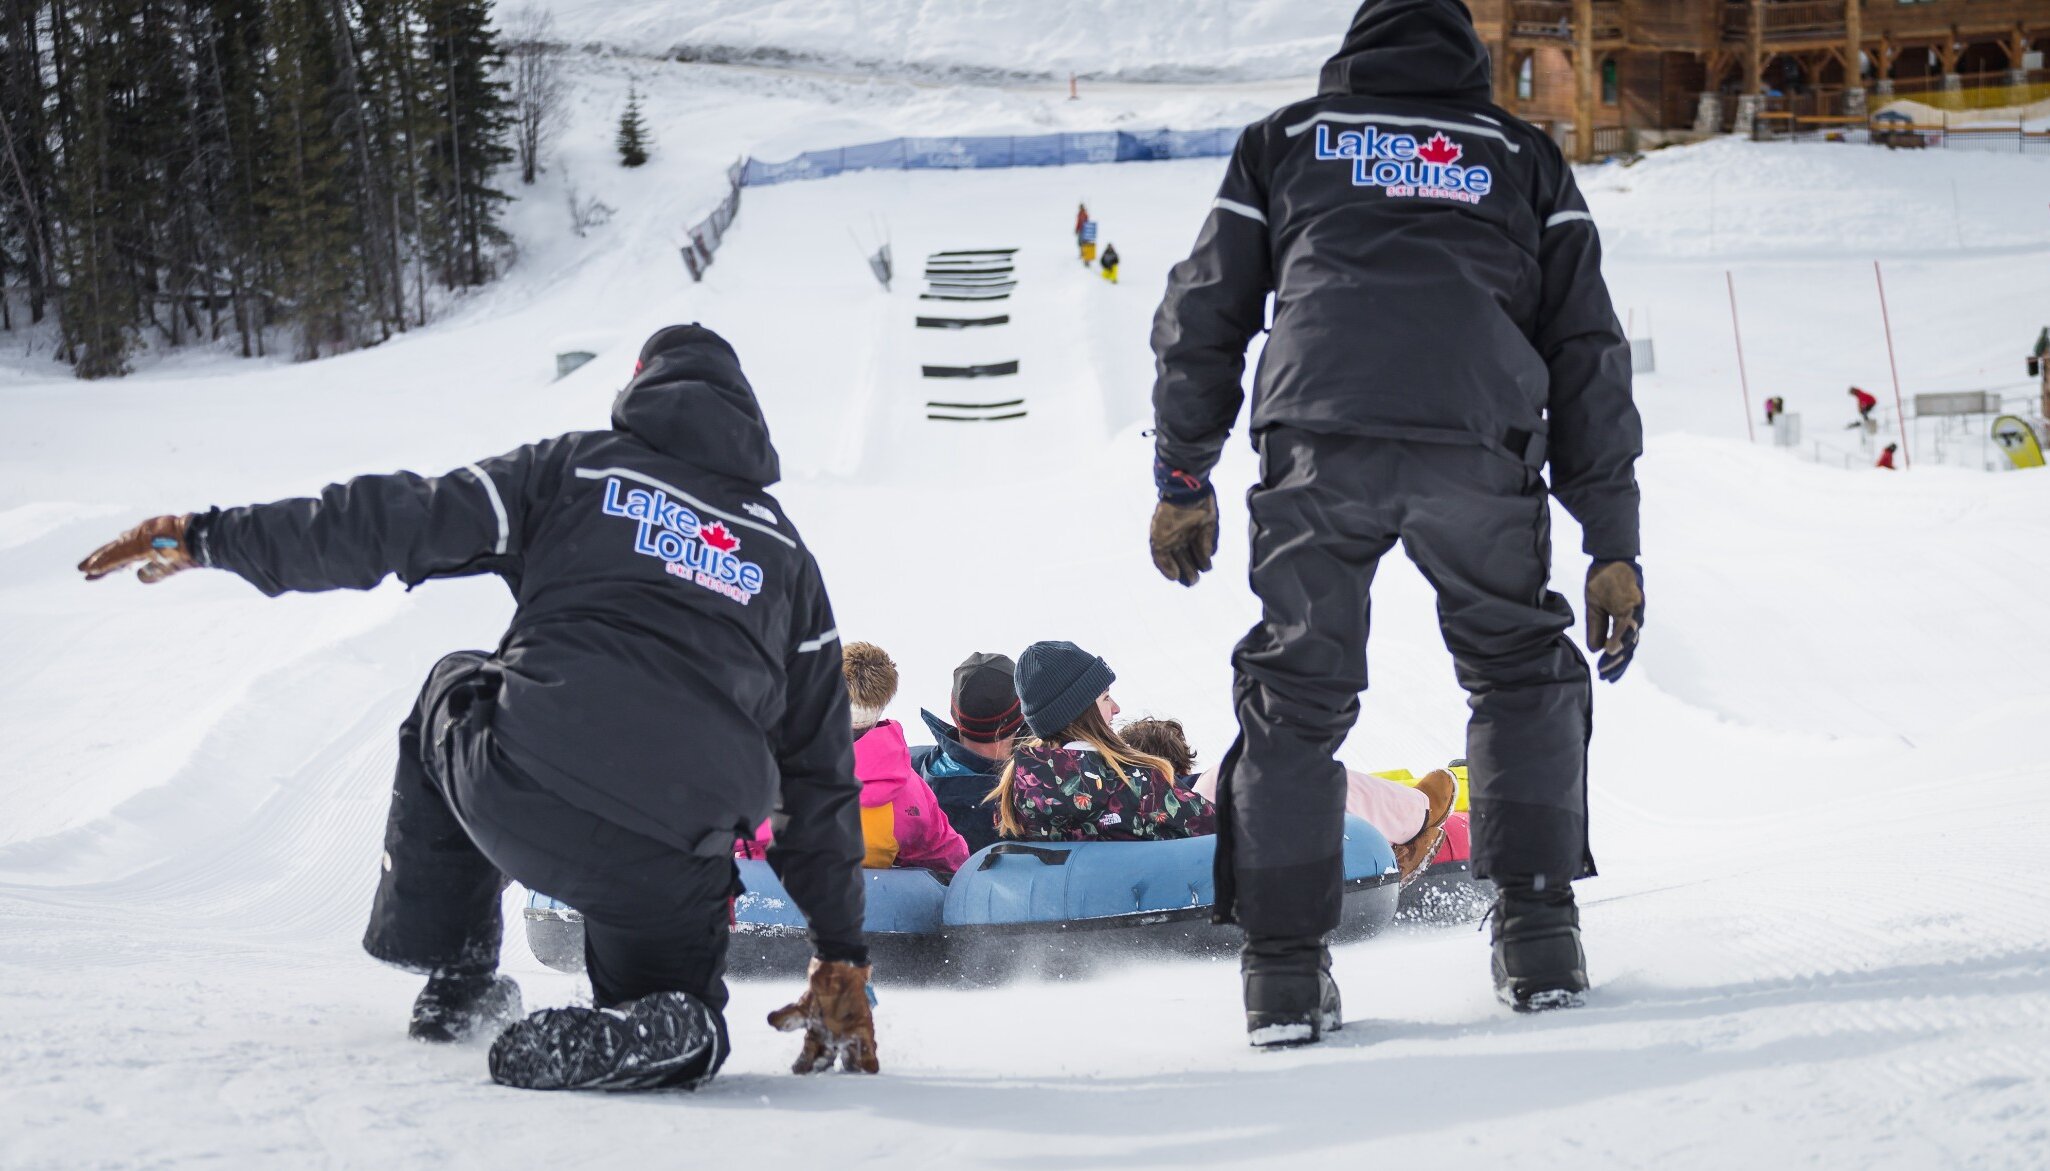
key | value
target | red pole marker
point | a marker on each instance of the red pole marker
(1900, 413)
(1743, 379)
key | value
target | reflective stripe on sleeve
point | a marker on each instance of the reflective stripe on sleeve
(497, 506)
(1237, 208)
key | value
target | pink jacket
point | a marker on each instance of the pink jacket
(901, 821)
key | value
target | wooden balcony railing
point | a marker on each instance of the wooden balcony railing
(1786, 20)
(1552, 20)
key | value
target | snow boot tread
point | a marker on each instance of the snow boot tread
(661, 1040)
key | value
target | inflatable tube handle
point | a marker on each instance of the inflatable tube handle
(1046, 857)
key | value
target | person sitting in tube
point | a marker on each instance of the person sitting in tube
(902, 823)
(1411, 818)
(1074, 779)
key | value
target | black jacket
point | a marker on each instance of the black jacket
(1436, 277)
(672, 665)
(961, 778)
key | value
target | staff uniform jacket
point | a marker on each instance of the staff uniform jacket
(672, 665)
(1435, 272)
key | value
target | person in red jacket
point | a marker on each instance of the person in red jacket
(1865, 404)
(1886, 457)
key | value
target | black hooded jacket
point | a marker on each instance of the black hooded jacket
(1436, 277)
(673, 665)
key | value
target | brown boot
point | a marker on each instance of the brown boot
(1416, 853)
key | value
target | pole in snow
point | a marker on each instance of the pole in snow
(1743, 379)
(1073, 93)
(1886, 320)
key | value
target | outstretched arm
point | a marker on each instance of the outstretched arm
(354, 534)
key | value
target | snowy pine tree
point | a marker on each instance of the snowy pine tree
(633, 132)
(175, 171)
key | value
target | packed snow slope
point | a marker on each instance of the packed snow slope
(1127, 39)
(1818, 796)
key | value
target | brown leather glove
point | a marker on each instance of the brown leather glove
(158, 544)
(1615, 613)
(833, 1012)
(1184, 538)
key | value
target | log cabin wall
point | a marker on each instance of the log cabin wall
(1824, 56)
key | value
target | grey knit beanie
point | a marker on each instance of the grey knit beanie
(1057, 681)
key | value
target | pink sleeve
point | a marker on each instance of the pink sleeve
(928, 840)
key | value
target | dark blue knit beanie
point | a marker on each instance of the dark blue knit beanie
(1057, 681)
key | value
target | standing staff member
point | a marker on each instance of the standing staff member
(670, 678)
(1441, 329)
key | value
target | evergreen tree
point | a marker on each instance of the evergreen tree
(199, 169)
(633, 132)
(471, 123)
(309, 220)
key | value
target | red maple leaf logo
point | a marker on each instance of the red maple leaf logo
(1440, 150)
(715, 536)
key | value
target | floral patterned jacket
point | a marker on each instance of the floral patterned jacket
(1072, 794)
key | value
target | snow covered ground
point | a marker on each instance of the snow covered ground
(1817, 939)
(1130, 39)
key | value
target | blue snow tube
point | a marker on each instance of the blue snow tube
(1083, 901)
(1058, 906)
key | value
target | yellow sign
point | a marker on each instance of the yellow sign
(2019, 441)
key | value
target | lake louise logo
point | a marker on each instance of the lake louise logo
(1404, 168)
(703, 554)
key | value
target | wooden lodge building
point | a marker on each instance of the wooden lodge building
(1643, 71)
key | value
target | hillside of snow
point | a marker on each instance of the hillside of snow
(1133, 40)
(1816, 939)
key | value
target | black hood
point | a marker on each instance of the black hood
(1411, 48)
(689, 401)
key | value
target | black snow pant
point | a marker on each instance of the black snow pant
(1477, 524)
(464, 820)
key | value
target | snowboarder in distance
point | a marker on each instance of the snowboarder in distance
(1081, 217)
(1415, 386)
(671, 676)
(1088, 243)
(1886, 457)
(1109, 263)
(1865, 404)
(1774, 408)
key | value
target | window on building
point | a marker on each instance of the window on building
(1611, 83)
(1526, 79)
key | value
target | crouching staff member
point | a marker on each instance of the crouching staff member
(671, 677)
(1440, 327)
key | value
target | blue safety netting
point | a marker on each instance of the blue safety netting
(983, 152)
(950, 154)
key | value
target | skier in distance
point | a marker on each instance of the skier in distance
(1441, 335)
(670, 678)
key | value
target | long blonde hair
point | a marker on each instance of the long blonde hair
(1089, 728)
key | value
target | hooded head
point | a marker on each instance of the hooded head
(689, 401)
(1411, 48)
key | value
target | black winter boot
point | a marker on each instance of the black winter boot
(1290, 996)
(454, 1006)
(1538, 962)
(663, 1039)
